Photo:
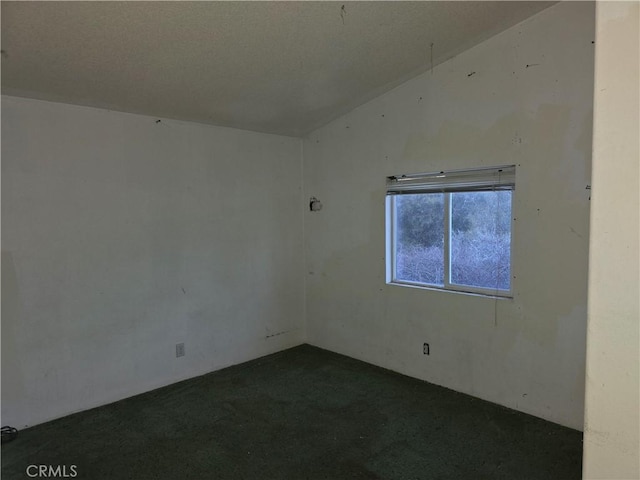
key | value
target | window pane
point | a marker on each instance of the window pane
(481, 239)
(420, 238)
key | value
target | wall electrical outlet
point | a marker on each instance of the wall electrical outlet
(425, 348)
(179, 349)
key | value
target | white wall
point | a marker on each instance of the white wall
(612, 420)
(527, 353)
(122, 237)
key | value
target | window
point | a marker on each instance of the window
(451, 230)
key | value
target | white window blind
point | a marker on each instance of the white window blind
(477, 179)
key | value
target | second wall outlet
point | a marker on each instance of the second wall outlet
(425, 348)
(179, 349)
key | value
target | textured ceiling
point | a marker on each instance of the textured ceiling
(277, 67)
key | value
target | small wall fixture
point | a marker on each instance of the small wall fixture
(315, 205)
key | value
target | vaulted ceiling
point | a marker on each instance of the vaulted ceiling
(276, 67)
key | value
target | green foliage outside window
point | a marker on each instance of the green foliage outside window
(480, 238)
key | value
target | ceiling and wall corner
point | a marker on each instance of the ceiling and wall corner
(274, 67)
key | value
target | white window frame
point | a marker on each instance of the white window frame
(447, 182)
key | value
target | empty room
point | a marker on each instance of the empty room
(320, 240)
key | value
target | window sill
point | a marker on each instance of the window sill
(507, 296)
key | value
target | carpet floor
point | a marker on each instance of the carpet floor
(303, 413)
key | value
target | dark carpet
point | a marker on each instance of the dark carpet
(304, 413)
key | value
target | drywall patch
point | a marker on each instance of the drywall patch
(462, 142)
